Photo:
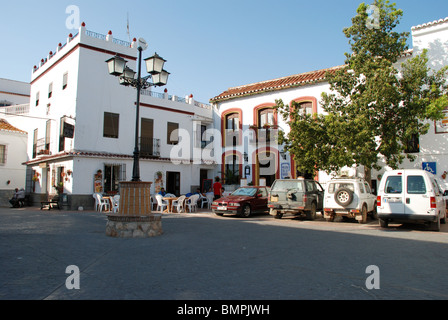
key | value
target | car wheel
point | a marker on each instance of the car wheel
(278, 215)
(246, 211)
(364, 215)
(311, 215)
(343, 197)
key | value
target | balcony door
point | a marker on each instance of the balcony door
(147, 137)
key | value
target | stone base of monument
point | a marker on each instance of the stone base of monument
(134, 218)
(119, 226)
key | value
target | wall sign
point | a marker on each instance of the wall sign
(430, 167)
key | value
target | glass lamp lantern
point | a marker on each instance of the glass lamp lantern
(160, 79)
(116, 65)
(154, 64)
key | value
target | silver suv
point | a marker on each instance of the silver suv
(295, 196)
(349, 197)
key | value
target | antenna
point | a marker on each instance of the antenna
(127, 27)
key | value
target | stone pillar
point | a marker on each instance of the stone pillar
(134, 218)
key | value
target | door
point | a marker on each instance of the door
(261, 200)
(393, 200)
(173, 183)
(146, 139)
(417, 199)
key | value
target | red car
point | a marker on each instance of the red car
(244, 201)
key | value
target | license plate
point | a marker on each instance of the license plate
(274, 199)
(222, 208)
(395, 200)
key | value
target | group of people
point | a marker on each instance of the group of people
(18, 196)
(218, 190)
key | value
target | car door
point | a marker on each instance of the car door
(319, 195)
(370, 197)
(262, 200)
(393, 199)
(417, 199)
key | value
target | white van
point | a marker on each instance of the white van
(410, 195)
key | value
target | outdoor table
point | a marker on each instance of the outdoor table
(170, 200)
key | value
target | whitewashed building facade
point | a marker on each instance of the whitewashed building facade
(251, 106)
(86, 141)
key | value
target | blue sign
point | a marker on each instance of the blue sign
(430, 167)
(285, 171)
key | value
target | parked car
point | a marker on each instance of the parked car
(243, 202)
(296, 197)
(411, 196)
(349, 197)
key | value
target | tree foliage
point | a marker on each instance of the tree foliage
(375, 105)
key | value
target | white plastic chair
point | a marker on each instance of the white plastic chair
(192, 202)
(116, 203)
(102, 203)
(160, 203)
(170, 195)
(208, 200)
(179, 203)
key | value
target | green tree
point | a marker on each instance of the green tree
(375, 105)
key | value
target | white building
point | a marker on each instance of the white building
(251, 106)
(86, 141)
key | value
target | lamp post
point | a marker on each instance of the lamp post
(159, 76)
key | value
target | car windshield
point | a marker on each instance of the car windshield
(288, 185)
(245, 192)
(337, 185)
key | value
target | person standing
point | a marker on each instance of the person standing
(217, 189)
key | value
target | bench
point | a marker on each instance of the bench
(51, 204)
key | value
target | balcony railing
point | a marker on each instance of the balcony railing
(149, 147)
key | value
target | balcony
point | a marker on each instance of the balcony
(149, 147)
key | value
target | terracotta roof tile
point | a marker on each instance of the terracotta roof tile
(275, 84)
(6, 126)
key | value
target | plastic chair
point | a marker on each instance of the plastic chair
(116, 203)
(179, 203)
(102, 203)
(160, 203)
(192, 202)
(208, 200)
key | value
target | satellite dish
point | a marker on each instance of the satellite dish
(142, 44)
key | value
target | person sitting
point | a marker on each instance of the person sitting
(162, 192)
(17, 197)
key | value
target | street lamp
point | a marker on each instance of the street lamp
(159, 77)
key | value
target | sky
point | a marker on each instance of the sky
(209, 45)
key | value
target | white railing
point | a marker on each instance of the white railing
(16, 109)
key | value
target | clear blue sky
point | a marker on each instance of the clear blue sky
(210, 45)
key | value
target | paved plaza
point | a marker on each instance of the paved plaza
(201, 256)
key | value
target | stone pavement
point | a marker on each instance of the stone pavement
(204, 257)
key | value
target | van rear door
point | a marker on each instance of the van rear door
(393, 199)
(417, 199)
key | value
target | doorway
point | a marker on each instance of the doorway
(173, 182)
(267, 167)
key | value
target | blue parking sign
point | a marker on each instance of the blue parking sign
(430, 167)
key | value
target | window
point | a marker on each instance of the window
(50, 89)
(37, 98)
(266, 118)
(35, 143)
(413, 144)
(2, 154)
(172, 134)
(393, 184)
(232, 129)
(113, 174)
(416, 185)
(305, 108)
(64, 80)
(110, 126)
(232, 170)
